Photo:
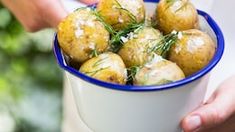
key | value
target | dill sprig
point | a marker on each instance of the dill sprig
(93, 73)
(163, 45)
(116, 41)
(131, 15)
(171, 2)
(94, 53)
(132, 71)
(164, 81)
(99, 62)
(108, 27)
(82, 8)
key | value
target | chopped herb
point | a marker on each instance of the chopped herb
(93, 73)
(163, 46)
(108, 27)
(132, 71)
(97, 63)
(164, 81)
(116, 41)
(171, 2)
(132, 17)
(94, 53)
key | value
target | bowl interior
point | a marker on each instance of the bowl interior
(207, 24)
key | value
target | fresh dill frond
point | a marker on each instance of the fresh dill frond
(94, 53)
(164, 81)
(108, 27)
(131, 15)
(171, 2)
(163, 45)
(116, 41)
(99, 62)
(132, 71)
(82, 8)
(182, 6)
(93, 73)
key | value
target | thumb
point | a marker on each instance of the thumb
(219, 108)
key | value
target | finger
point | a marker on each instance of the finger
(89, 1)
(52, 11)
(215, 112)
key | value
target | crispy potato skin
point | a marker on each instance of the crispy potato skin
(193, 51)
(93, 35)
(107, 67)
(117, 18)
(179, 15)
(135, 51)
(159, 73)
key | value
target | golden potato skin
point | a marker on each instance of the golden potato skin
(193, 51)
(135, 51)
(158, 72)
(107, 67)
(176, 15)
(118, 18)
(81, 33)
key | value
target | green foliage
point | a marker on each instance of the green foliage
(27, 68)
(5, 16)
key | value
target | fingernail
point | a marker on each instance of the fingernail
(194, 123)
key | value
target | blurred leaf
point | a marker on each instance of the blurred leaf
(3, 88)
(29, 76)
(43, 39)
(5, 16)
(14, 44)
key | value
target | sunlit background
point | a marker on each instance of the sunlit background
(30, 80)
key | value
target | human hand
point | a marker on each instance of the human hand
(37, 14)
(89, 1)
(217, 114)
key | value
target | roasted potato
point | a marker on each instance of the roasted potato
(107, 67)
(157, 72)
(192, 51)
(81, 33)
(176, 15)
(120, 13)
(135, 52)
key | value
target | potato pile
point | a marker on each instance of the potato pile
(115, 43)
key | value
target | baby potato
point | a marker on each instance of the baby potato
(120, 13)
(193, 51)
(135, 51)
(80, 33)
(107, 67)
(157, 72)
(176, 15)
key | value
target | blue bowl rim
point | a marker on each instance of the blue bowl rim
(177, 84)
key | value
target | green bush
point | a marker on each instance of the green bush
(30, 80)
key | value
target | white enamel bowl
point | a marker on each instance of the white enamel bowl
(106, 107)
